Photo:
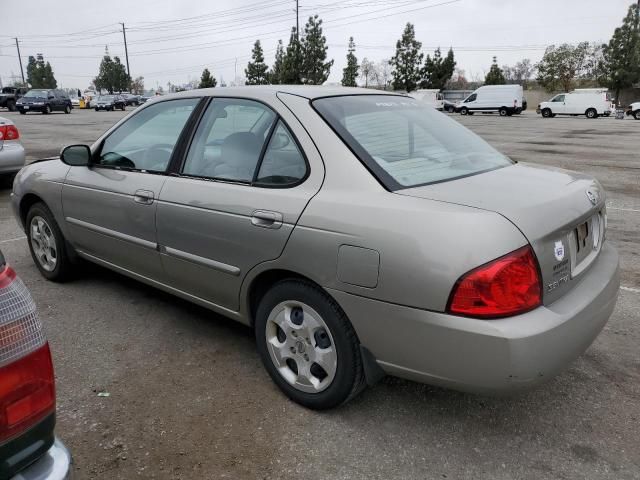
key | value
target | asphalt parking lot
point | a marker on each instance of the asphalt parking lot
(188, 397)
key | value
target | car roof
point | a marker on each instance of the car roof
(307, 91)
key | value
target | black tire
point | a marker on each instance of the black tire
(63, 268)
(47, 109)
(503, 111)
(546, 113)
(636, 114)
(97, 109)
(349, 379)
(23, 112)
(464, 111)
(11, 105)
(124, 108)
(591, 113)
(451, 109)
(67, 109)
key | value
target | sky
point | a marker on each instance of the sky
(173, 41)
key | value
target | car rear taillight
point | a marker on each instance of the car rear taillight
(507, 286)
(27, 387)
(9, 132)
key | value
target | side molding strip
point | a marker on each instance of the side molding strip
(197, 259)
(112, 233)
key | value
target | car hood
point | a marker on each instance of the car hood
(546, 204)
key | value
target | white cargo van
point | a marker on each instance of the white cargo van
(431, 97)
(589, 102)
(504, 99)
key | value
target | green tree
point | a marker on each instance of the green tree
(39, 73)
(256, 71)
(561, 66)
(407, 61)
(275, 74)
(315, 68)
(112, 76)
(350, 72)
(207, 80)
(495, 75)
(292, 61)
(437, 71)
(622, 54)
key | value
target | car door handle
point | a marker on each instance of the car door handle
(266, 219)
(143, 196)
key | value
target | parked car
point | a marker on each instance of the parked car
(75, 102)
(504, 99)
(109, 102)
(45, 101)
(358, 233)
(590, 104)
(12, 156)
(431, 97)
(10, 96)
(131, 99)
(634, 109)
(448, 106)
(29, 449)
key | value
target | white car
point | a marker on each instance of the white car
(75, 102)
(634, 109)
(12, 156)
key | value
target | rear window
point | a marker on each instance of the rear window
(406, 144)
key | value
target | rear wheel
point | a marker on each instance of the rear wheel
(546, 113)
(591, 113)
(23, 112)
(96, 109)
(636, 114)
(503, 111)
(308, 345)
(11, 105)
(46, 243)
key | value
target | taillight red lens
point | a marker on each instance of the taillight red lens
(9, 132)
(27, 392)
(506, 286)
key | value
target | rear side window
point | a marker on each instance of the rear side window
(146, 141)
(243, 141)
(406, 144)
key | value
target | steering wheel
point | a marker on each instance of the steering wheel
(157, 157)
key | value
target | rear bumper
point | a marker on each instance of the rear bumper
(55, 464)
(487, 356)
(12, 156)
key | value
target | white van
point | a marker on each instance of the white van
(431, 97)
(504, 99)
(590, 103)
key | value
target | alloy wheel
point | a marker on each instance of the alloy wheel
(301, 347)
(43, 243)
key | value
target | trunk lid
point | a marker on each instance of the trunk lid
(561, 213)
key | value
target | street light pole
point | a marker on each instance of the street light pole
(20, 60)
(126, 52)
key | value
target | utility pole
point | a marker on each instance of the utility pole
(298, 21)
(20, 60)
(126, 52)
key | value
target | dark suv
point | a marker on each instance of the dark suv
(10, 96)
(45, 101)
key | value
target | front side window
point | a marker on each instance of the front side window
(558, 98)
(406, 144)
(471, 98)
(146, 141)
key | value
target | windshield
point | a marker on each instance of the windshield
(406, 144)
(105, 98)
(37, 93)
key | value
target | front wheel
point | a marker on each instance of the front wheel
(591, 113)
(47, 109)
(11, 106)
(46, 243)
(23, 112)
(636, 114)
(308, 345)
(546, 113)
(464, 111)
(67, 109)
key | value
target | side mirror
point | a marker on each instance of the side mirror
(76, 155)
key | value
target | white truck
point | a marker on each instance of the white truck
(589, 102)
(504, 99)
(431, 97)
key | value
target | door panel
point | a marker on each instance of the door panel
(104, 219)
